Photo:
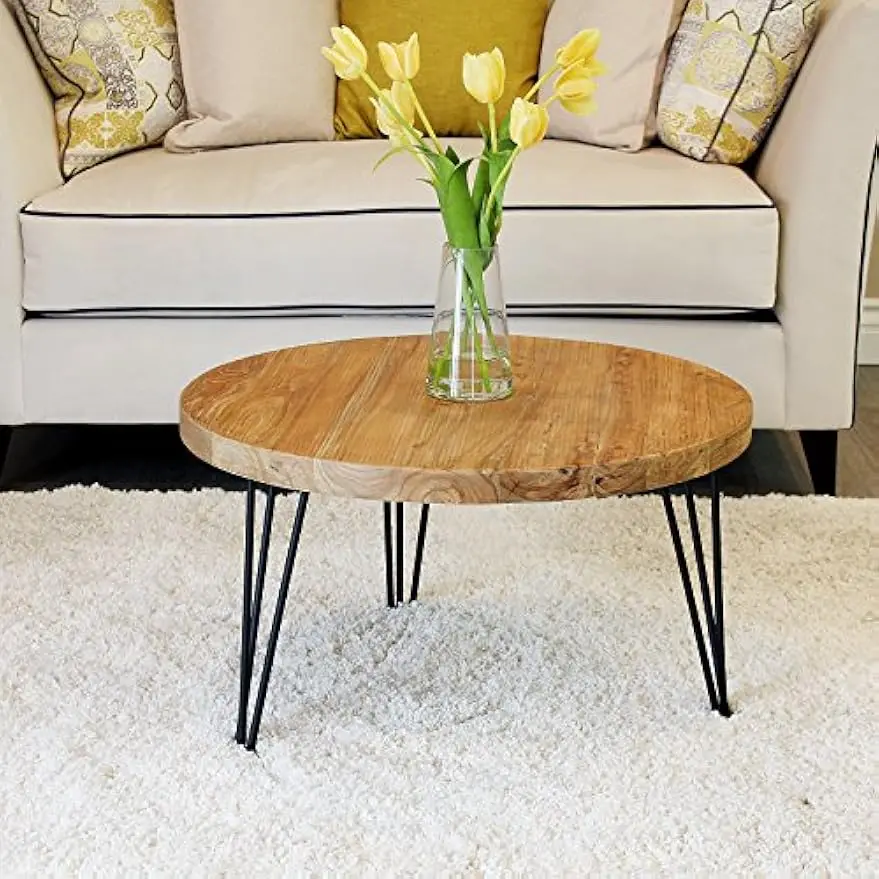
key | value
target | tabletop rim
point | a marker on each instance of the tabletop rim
(289, 470)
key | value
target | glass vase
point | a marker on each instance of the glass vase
(469, 346)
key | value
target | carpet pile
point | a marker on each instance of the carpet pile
(540, 711)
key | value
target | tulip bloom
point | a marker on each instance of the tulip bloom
(528, 123)
(580, 48)
(574, 90)
(401, 61)
(347, 54)
(485, 76)
(398, 98)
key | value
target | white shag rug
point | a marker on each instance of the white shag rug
(540, 712)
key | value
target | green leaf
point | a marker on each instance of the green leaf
(442, 166)
(452, 156)
(389, 154)
(485, 233)
(497, 162)
(491, 217)
(481, 184)
(456, 205)
(503, 132)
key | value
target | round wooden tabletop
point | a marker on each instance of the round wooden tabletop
(353, 419)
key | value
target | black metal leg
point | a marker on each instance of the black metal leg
(259, 589)
(713, 667)
(276, 622)
(252, 606)
(719, 631)
(419, 551)
(821, 448)
(389, 556)
(246, 613)
(401, 538)
(395, 537)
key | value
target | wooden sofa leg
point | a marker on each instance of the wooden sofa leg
(822, 451)
(5, 438)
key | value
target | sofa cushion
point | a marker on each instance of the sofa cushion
(310, 226)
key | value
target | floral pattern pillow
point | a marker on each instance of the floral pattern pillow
(114, 69)
(729, 70)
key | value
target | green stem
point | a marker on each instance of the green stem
(470, 294)
(476, 282)
(505, 172)
(423, 117)
(540, 82)
(492, 124)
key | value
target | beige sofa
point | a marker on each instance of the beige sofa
(120, 285)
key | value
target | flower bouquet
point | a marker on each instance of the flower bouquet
(469, 357)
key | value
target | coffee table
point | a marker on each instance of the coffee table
(352, 419)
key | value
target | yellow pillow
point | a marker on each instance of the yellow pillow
(446, 31)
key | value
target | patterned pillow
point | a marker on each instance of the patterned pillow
(113, 67)
(729, 69)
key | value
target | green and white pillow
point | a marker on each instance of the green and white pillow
(729, 69)
(113, 67)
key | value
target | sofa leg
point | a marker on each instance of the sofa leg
(821, 448)
(5, 438)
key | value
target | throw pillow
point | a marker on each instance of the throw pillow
(635, 37)
(446, 31)
(730, 67)
(254, 73)
(113, 68)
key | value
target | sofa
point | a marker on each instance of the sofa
(121, 284)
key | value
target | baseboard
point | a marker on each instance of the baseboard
(868, 350)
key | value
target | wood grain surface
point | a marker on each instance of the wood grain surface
(352, 419)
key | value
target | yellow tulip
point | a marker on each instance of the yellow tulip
(347, 54)
(485, 76)
(398, 96)
(528, 123)
(401, 61)
(581, 47)
(574, 89)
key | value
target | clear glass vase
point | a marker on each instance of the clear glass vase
(469, 345)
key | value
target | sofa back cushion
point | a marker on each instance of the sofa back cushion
(254, 73)
(113, 68)
(729, 70)
(446, 31)
(635, 36)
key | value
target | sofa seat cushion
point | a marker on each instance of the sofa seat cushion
(309, 225)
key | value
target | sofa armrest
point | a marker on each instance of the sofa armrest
(818, 166)
(28, 167)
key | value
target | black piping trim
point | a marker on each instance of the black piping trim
(761, 316)
(344, 212)
(862, 276)
(538, 310)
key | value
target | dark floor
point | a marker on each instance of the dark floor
(153, 458)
